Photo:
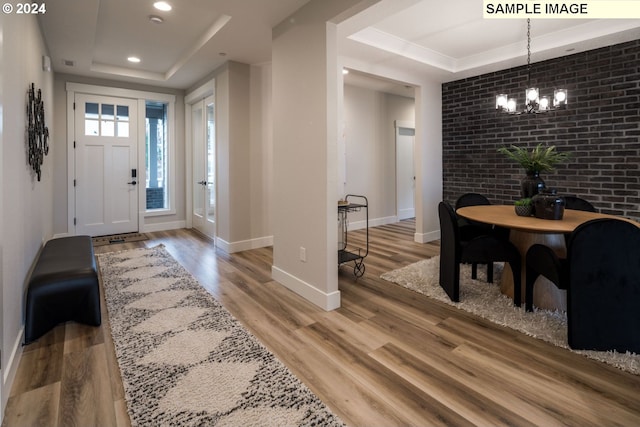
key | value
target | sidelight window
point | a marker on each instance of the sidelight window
(156, 155)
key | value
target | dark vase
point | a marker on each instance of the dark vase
(531, 184)
(548, 205)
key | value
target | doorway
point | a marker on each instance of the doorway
(105, 159)
(405, 170)
(203, 135)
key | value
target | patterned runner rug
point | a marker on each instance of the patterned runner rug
(485, 300)
(186, 361)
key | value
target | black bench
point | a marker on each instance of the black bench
(63, 286)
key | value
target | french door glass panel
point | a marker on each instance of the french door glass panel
(204, 161)
(211, 163)
(198, 165)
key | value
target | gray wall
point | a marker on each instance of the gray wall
(26, 203)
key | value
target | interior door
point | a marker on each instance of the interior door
(204, 161)
(405, 172)
(105, 165)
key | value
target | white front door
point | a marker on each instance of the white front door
(106, 176)
(204, 162)
(405, 171)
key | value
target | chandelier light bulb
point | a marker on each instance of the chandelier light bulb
(560, 98)
(543, 105)
(501, 101)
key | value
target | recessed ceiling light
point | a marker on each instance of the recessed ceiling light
(162, 5)
(156, 19)
(133, 59)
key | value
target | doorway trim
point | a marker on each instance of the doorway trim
(141, 97)
(401, 124)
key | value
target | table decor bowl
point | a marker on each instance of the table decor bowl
(524, 207)
(523, 210)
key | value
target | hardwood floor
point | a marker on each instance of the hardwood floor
(387, 357)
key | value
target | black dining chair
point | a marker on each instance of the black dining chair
(471, 199)
(602, 277)
(483, 249)
(471, 229)
(578, 204)
(545, 261)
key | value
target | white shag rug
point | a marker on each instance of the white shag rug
(485, 300)
(186, 361)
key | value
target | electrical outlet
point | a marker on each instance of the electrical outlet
(303, 254)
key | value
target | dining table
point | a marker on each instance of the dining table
(526, 231)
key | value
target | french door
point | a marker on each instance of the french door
(105, 165)
(204, 166)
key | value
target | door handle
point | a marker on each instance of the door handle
(132, 183)
(202, 182)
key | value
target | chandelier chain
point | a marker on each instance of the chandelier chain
(533, 102)
(529, 42)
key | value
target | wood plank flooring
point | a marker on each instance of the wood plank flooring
(387, 357)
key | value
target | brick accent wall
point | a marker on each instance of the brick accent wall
(600, 127)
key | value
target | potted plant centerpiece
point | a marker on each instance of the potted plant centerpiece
(524, 207)
(534, 161)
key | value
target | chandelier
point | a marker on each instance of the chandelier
(534, 103)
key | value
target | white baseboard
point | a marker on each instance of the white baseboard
(426, 237)
(306, 290)
(406, 214)
(146, 228)
(163, 226)
(11, 367)
(376, 222)
(244, 245)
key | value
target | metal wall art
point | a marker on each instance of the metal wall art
(38, 133)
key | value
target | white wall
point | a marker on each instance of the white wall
(239, 146)
(233, 123)
(261, 153)
(306, 82)
(3, 384)
(370, 149)
(428, 153)
(27, 217)
(428, 140)
(244, 153)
